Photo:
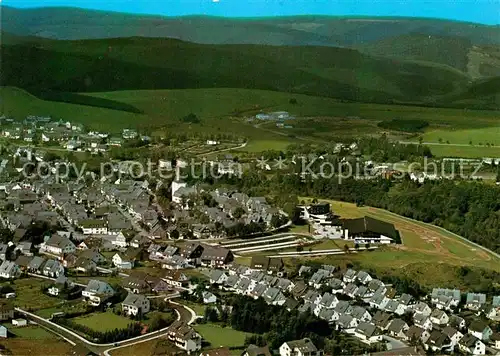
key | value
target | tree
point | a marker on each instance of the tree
(346, 248)
(293, 101)
(174, 234)
(238, 212)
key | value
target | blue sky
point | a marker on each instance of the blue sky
(480, 11)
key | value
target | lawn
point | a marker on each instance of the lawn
(489, 135)
(421, 242)
(218, 336)
(103, 321)
(30, 332)
(29, 294)
(224, 110)
(199, 309)
(264, 145)
(464, 151)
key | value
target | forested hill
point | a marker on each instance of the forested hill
(348, 31)
(40, 65)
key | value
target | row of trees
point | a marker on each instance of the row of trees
(274, 325)
(133, 329)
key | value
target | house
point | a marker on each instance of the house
(349, 276)
(272, 265)
(416, 334)
(480, 329)
(208, 298)
(6, 310)
(422, 321)
(60, 283)
(24, 248)
(184, 337)
(135, 304)
(84, 264)
(53, 269)
(346, 321)
(363, 277)
(9, 270)
(438, 342)
(398, 328)
(3, 332)
(360, 314)
(253, 350)
(369, 230)
(176, 278)
(215, 256)
(381, 320)
(457, 322)
(221, 351)
(475, 301)
(471, 345)
(439, 317)
(97, 291)
(191, 251)
(445, 298)
(19, 322)
(127, 259)
(368, 332)
(422, 308)
(303, 347)
(336, 285)
(94, 227)
(393, 306)
(454, 335)
(58, 245)
(495, 338)
(379, 300)
(3, 251)
(218, 277)
(35, 265)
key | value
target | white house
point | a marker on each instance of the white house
(94, 227)
(184, 337)
(58, 245)
(209, 298)
(122, 262)
(135, 304)
(9, 270)
(97, 291)
(303, 347)
(439, 317)
(471, 345)
(19, 322)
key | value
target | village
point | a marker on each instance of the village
(107, 247)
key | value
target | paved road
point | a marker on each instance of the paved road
(184, 313)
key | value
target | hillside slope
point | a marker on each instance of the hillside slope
(448, 50)
(73, 23)
(149, 63)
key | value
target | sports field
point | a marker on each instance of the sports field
(421, 242)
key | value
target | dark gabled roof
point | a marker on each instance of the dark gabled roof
(368, 224)
(253, 350)
(468, 340)
(478, 325)
(438, 338)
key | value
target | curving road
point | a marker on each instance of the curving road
(184, 314)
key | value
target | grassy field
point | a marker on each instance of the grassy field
(489, 135)
(422, 244)
(218, 336)
(34, 340)
(465, 151)
(223, 111)
(103, 321)
(29, 294)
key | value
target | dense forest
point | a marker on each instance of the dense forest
(468, 208)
